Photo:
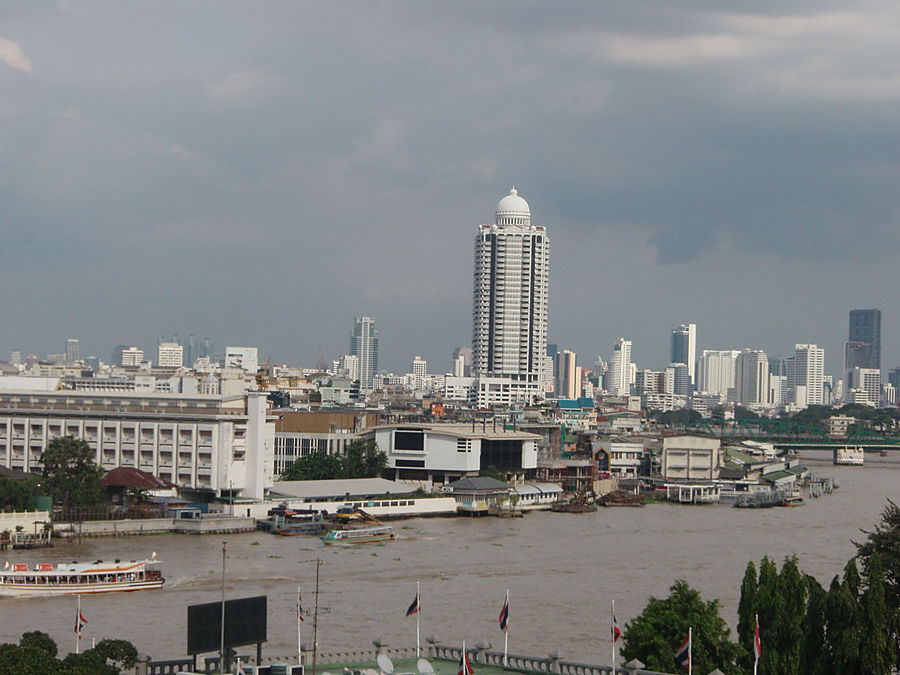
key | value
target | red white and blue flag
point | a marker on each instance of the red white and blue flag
(683, 655)
(757, 645)
(504, 614)
(465, 668)
(415, 606)
(80, 622)
(614, 631)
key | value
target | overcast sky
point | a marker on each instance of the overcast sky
(262, 172)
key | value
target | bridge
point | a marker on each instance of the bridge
(785, 435)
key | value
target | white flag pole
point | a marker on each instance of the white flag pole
(418, 612)
(612, 636)
(690, 650)
(299, 648)
(78, 624)
(506, 632)
(755, 647)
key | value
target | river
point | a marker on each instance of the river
(562, 571)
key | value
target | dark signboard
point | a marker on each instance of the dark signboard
(245, 624)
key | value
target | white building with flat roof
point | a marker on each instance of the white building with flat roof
(245, 358)
(169, 355)
(220, 445)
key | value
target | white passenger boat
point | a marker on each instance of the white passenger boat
(849, 456)
(75, 578)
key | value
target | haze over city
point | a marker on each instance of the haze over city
(263, 173)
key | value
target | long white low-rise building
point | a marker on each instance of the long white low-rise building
(440, 453)
(221, 445)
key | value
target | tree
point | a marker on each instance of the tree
(316, 466)
(767, 609)
(814, 654)
(70, 474)
(363, 459)
(842, 623)
(787, 630)
(17, 495)
(877, 648)
(654, 635)
(746, 625)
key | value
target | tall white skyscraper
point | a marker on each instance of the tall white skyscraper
(72, 350)
(715, 371)
(364, 345)
(684, 348)
(509, 316)
(618, 377)
(805, 375)
(751, 378)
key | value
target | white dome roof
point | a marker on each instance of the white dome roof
(513, 205)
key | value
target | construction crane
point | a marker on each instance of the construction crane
(262, 376)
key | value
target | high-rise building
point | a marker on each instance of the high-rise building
(349, 365)
(364, 346)
(16, 357)
(618, 377)
(867, 381)
(715, 371)
(72, 350)
(805, 375)
(464, 353)
(189, 347)
(245, 358)
(865, 328)
(568, 383)
(751, 378)
(509, 316)
(130, 356)
(684, 348)
(169, 355)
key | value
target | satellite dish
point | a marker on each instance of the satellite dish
(424, 667)
(385, 663)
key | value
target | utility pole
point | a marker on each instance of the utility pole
(222, 633)
(316, 619)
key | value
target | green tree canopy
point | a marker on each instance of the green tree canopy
(70, 474)
(361, 459)
(17, 495)
(318, 465)
(654, 635)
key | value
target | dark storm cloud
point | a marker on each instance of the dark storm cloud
(263, 173)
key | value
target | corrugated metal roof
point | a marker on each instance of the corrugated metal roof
(355, 487)
(477, 483)
(128, 476)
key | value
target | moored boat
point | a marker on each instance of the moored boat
(363, 535)
(76, 578)
(849, 456)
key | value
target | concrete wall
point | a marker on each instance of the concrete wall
(25, 519)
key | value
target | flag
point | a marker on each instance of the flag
(80, 622)
(465, 668)
(757, 645)
(683, 655)
(299, 607)
(415, 606)
(240, 669)
(504, 614)
(614, 631)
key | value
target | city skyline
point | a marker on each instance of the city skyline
(236, 188)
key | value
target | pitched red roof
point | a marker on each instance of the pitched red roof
(128, 476)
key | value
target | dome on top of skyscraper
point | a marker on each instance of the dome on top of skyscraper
(513, 205)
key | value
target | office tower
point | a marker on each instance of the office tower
(715, 371)
(618, 377)
(751, 378)
(805, 375)
(865, 381)
(459, 366)
(681, 379)
(684, 347)
(16, 357)
(72, 350)
(364, 346)
(92, 362)
(245, 358)
(567, 381)
(865, 329)
(130, 356)
(466, 354)
(169, 355)
(510, 298)
(349, 365)
(894, 378)
(189, 347)
(204, 348)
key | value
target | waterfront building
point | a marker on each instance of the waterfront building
(510, 298)
(715, 371)
(302, 433)
(245, 358)
(169, 355)
(865, 331)
(684, 349)
(364, 346)
(751, 381)
(72, 350)
(206, 445)
(618, 377)
(624, 457)
(690, 457)
(439, 453)
(805, 375)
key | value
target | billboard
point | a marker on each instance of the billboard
(245, 624)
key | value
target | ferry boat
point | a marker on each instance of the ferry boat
(75, 578)
(849, 456)
(363, 535)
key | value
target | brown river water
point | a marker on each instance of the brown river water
(562, 571)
